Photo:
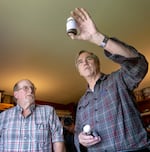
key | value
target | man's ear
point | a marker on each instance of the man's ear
(16, 94)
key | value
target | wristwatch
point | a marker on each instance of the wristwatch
(104, 42)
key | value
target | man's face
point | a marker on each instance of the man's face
(25, 92)
(86, 65)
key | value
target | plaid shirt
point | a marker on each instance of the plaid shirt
(111, 110)
(35, 133)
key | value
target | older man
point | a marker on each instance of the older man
(28, 127)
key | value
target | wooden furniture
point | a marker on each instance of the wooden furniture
(4, 106)
(144, 108)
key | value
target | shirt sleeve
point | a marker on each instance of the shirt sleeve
(56, 127)
(133, 70)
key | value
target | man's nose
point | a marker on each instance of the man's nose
(31, 90)
(85, 61)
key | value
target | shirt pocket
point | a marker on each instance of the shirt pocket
(41, 134)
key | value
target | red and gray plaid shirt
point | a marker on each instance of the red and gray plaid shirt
(111, 110)
(35, 133)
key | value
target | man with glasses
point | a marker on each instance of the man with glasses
(108, 104)
(30, 127)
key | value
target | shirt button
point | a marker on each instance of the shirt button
(26, 137)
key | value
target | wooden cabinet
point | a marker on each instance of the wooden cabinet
(4, 106)
(144, 108)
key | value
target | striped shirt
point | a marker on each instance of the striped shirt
(35, 133)
(110, 109)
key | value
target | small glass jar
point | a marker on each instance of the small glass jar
(71, 26)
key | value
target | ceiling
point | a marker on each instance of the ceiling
(34, 44)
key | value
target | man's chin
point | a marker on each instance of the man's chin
(30, 97)
(86, 74)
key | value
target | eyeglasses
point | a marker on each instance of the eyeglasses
(27, 88)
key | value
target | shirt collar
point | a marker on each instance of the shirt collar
(101, 78)
(19, 108)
